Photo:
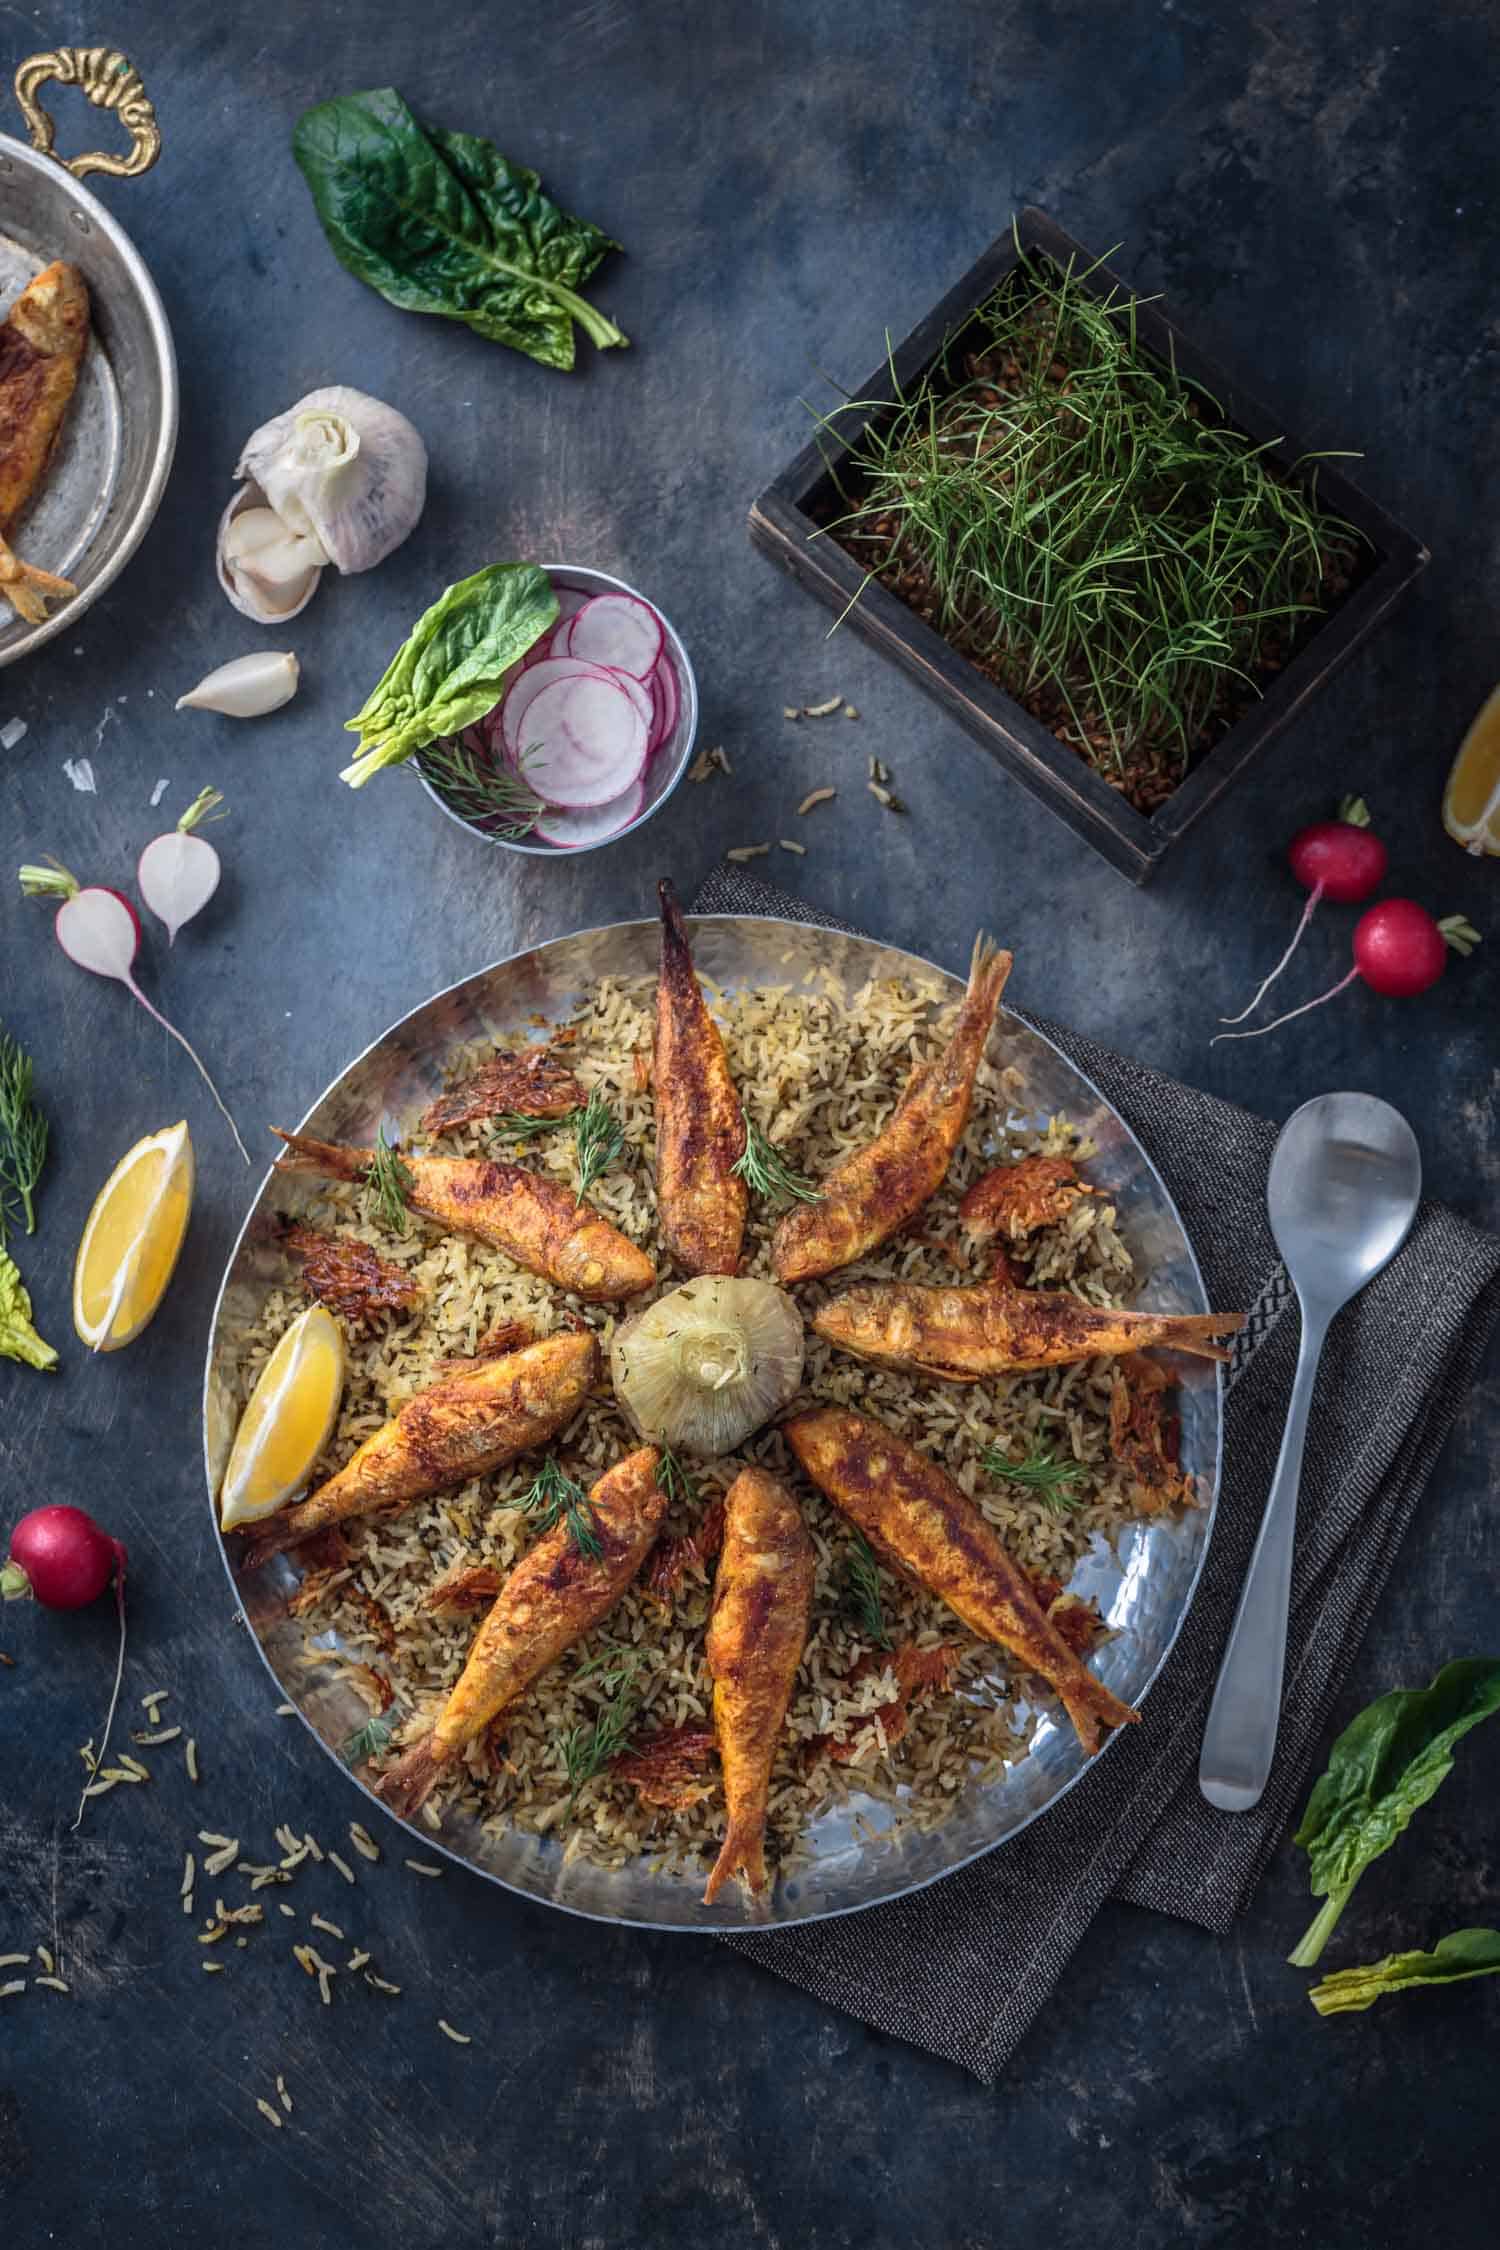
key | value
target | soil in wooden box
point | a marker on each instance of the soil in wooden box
(1078, 520)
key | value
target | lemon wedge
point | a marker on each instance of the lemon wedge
(132, 1238)
(1471, 801)
(288, 1420)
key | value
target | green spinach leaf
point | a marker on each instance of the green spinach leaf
(1384, 1766)
(443, 223)
(449, 670)
(1467, 1953)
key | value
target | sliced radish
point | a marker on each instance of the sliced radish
(570, 830)
(569, 602)
(531, 684)
(584, 741)
(556, 643)
(666, 700)
(617, 630)
(638, 692)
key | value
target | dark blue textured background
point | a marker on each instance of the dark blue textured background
(1315, 189)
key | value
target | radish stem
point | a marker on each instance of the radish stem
(1313, 896)
(188, 1049)
(1277, 1021)
(114, 1699)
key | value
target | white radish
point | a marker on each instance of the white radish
(99, 930)
(247, 688)
(177, 874)
(530, 684)
(584, 742)
(617, 630)
(573, 831)
(668, 702)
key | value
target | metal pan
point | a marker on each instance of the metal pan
(109, 467)
(1143, 1585)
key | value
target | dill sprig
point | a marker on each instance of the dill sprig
(388, 1183)
(515, 1125)
(367, 1741)
(766, 1172)
(674, 1479)
(589, 1747)
(23, 1138)
(554, 1497)
(480, 790)
(1041, 1472)
(598, 1137)
(862, 1585)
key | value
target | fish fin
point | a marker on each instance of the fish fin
(989, 966)
(28, 589)
(407, 1785)
(260, 1544)
(744, 1853)
(327, 1158)
(1195, 1333)
(1090, 1706)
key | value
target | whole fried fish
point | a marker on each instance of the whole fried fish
(470, 1421)
(534, 1220)
(992, 1328)
(874, 1192)
(917, 1518)
(756, 1635)
(700, 1127)
(42, 340)
(551, 1598)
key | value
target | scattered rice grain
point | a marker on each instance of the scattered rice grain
(44, 1955)
(823, 710)
(52, 1984)
(459, 2038)
(423, 1867)
(379, 1982)
(286, 2099)
(226, 1856)
(357, 1959)
(816, 797)
(162, 1734)
(211, 1968)
(190, 1758)
(8, 1991)
(318, 1923)
(342, 1865)
(363, 1841)
(268, 2111)
(742, 852)
(788, 846)
(15, 1960)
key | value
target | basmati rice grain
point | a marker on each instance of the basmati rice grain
(342, 1865)
(8, 1991)
(363, 1841)
(332, 1928)
(53, 1984)
(459, 2038)
(423, 1867)
(379, 1983)
(266, 2110)
(187, 1876)
(190, 1757)
(14, 1960)
(45, 1957)
(357, 1960)
(162, 1734)
(211, 1968)
(286, 2099)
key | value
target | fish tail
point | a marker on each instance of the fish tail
(989, 966)
(327, 1158)
(406, 1786)
(678, 973)
(274, 1538)
(1195, 1332)
(744, 1853)
(1090, 1706)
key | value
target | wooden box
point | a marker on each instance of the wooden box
(785, 522)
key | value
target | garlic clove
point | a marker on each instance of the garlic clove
(242, 555)
(248, 687)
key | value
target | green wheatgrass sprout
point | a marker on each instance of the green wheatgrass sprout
(1072, 515)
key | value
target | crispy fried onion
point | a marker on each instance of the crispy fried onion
(673, 1558)
(918, 1671)
(1144, 1439)
(348, 1277)
(1015, 1200)
(668, 1770)
(535, 1083)
(1073, 1617)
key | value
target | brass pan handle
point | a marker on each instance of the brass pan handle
(111, 82)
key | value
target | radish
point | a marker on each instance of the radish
(618, 630)
(668, 701)
(1399, 950)
(1339, 859)
(60, 1558)
(100, 930)
(585, 742)
(177, 874)
(531, 683)
(571, 831)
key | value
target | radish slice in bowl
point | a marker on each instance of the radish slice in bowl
(618, 630)
(582, 741)
(571, 830)
(666, 700)
(507, 719)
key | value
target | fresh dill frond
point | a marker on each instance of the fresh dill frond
(589, 1747)
(862, 1585)
(599, 1139)
(766, 1172)
(388, 1183)
(367, 1741)
(23, 1138)
(482, 791)
(554, 1497)
(1041, 1472)
(514, 1125)
(674, 1479)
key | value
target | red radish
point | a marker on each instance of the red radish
(99, 930)
(60, 1558)
(531, 683)
(584, 742)
(667, 699)
(618, 630)
(1339, 859)
(571, 831)
(1399, 950)
(569, 602)
(177, 874)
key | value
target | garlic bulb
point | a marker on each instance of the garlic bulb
(338, 478)
(707, 1364)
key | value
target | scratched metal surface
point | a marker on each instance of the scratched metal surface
(1317, 188)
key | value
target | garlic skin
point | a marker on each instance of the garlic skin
(248, 687)
(704, 1367)
(267, 602)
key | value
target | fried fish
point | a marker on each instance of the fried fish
(916, 1517)
(42, 340)
(871, 1194)
(700, 1127)
(992, 1328)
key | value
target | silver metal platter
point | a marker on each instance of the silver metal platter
(1143, 1586)
(109, 468)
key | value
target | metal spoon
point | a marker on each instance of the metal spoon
(1346, 1178)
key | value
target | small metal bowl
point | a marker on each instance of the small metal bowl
(669, 763)
(107, 474)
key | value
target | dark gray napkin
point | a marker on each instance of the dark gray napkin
(962, 1968)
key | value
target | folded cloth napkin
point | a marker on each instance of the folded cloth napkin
(962, 1967)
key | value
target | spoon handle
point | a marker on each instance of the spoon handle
(1239, 1741)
